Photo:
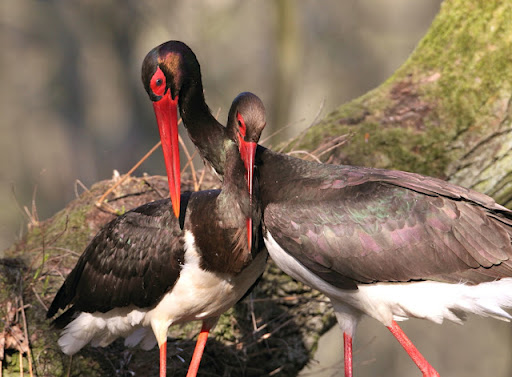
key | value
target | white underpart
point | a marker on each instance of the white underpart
(385, 302)
(197, 295)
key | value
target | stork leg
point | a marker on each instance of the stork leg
(198, 351)
(347, 354)
(163, 359)
(412, 351)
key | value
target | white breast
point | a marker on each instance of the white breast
(199, 294)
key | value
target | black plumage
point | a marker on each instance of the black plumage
(133, 260)
(360, 225)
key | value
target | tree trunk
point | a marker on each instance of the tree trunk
(446, 112)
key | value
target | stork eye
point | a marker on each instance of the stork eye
(157, 83)
(241, 124)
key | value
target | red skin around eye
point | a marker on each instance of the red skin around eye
(159, 90)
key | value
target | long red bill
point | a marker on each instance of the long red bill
(166, 111)
(248, 153)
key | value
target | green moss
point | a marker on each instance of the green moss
(469, 46)
(226, 328)
(68, 229)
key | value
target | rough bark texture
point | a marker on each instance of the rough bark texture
(446, 112)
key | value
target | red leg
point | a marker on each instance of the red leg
(412, 351)
(198, 351)
(347, 354)
(163, 360)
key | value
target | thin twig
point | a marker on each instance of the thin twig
(301, 136)
(69, 366)
(268, 323)
(123, 178)
(100, 201)
(108, 208)
(189, 160)
(340, 140)
(153, 187)
(253, 316)
(44, 243)
(32, 214)
(23, 307)
(84, 187)
(318, 113)
(25, 331)
(309, 154)
(269, 334)
(218, 113)
(34, 207)
(292, 139)
(201, 178)
(21, 209)
(331, 148)
(276, 132)
(276, 371)
(40, 300)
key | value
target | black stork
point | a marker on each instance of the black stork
(147, 269)
(388, 244)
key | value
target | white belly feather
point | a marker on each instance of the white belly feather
(197, 295)
(430, 300)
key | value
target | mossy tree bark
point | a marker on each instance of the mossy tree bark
(446, 112)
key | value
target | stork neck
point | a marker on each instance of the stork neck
(206, 133)
(234, 186)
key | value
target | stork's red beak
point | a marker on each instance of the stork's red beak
(248, 153)
(166, 111)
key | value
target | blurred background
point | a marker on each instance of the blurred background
(73, 109)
